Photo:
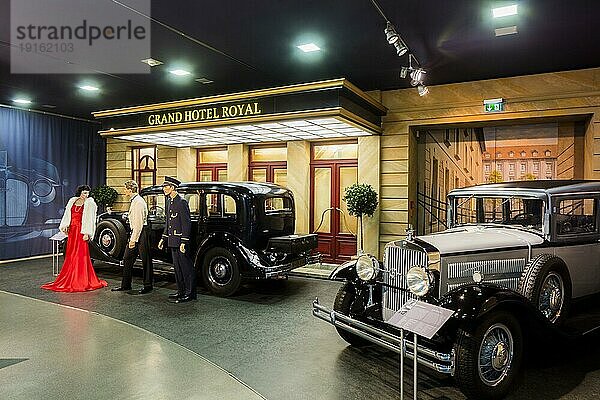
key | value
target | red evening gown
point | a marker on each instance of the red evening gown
(77, 273)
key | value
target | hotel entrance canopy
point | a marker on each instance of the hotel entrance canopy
(310, 111)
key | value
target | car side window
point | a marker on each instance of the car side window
(220, 205)
(575, 216)
(277, 204)
(193, 200)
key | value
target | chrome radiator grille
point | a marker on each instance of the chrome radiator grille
(396, 262)
(13, 202)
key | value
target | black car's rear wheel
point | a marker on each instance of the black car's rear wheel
(343, 304)
(220, 272)
(111, 237)
(488, 361)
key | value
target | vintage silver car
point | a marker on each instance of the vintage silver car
(514, 258)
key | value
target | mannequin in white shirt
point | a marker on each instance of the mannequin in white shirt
(139, 241)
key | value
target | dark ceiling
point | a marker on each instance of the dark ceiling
(244, 45)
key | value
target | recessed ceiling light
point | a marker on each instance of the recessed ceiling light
(308, 47)
(48, 105)
(504, 11)
(180, 72)
(509, 30)
(21, 101)
(204, 80)
(151, 62)
(89, 88)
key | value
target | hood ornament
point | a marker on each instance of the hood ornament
(410, 233)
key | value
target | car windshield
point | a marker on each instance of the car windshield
(156, 205)
(523, 211)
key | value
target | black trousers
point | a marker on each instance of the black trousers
(185, 276)
(142, 247)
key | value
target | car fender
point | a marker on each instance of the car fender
(472, 302)
(346, 271)
(227, 240)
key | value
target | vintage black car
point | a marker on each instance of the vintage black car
(239, 230)
(515, 257)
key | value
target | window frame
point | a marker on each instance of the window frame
(575, 236)
(136, 173)
(222, 216)
(214, 168)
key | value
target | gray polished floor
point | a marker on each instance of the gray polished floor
(265, 337)
(56, 352)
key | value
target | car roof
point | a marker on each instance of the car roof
(255, 188)
(537, 188)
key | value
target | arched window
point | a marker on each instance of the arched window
(548, 153)
(143, 166)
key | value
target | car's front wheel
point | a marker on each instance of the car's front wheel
(221, 272)
(488, 361)
(343, 304)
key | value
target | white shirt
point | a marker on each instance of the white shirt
(138, 216)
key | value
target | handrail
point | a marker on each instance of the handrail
(343, 216)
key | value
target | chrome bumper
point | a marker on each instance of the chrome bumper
(441, 362)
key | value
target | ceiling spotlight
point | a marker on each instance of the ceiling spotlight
(89, 88)
(417, 76)
(22, 101)
(308, 47)
(505, 11)
(422, 89)
(180, 72)
(390, 33)
(151, 62)
(403, 72)
(508, 30)
(401, 47)
(203, 80)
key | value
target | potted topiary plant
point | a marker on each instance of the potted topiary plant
(104, 196)
(361, 199)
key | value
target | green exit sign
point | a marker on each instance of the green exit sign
(493, 105)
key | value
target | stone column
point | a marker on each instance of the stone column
(186, 164)
(368, 172)
(298, 177)
(237, 163)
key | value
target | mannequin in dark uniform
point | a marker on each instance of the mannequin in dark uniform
(176, 235)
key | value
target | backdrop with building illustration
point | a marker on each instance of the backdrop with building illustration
(459, 157)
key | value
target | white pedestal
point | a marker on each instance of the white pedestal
(56, 240)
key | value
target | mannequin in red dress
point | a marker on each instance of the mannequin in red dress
(78, 222)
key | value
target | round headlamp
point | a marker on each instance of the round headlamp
(366, 267)
(418, 280)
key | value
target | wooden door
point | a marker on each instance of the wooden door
(336, 229)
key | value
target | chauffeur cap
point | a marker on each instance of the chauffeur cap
(170, 181)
